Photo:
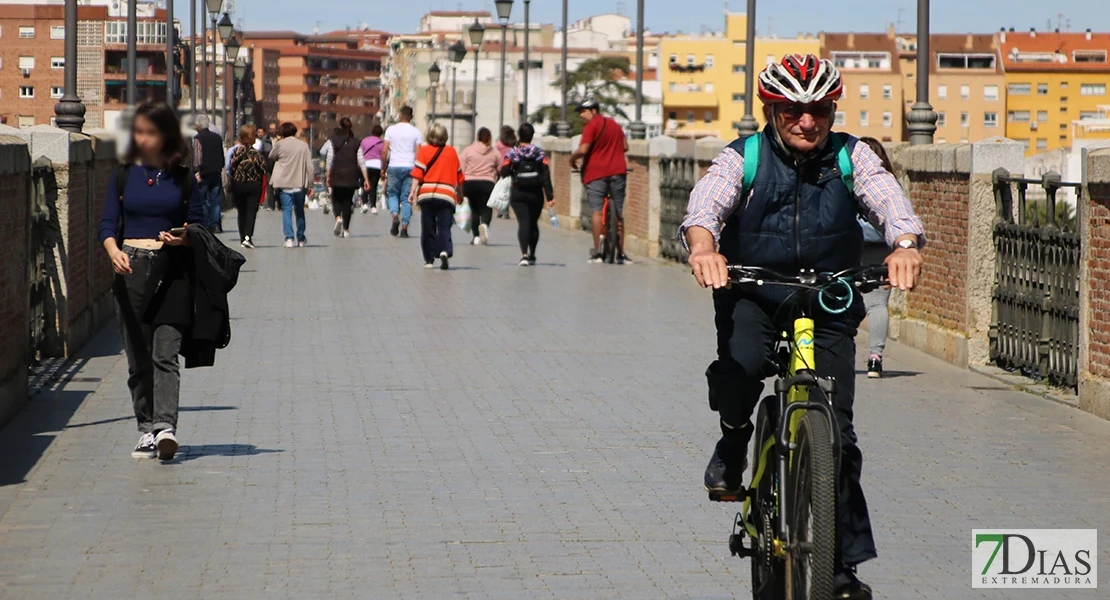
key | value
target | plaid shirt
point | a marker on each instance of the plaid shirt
(717, 196)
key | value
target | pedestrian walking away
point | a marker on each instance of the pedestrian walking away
(293, 174)
(877, 301)
(402, 140)
(531, 186)
(264, 144)
(344, 175)
(480, 164)
(770, 221)
(438, 186)
(371, 156)
(505, 142)
(150, 199)
(604, 170)
(247, 169)
(208, 163)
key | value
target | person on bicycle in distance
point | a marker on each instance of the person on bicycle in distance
(604, 169)
(799, 214)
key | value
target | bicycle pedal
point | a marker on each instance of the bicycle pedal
(716, 496)
(737, 548)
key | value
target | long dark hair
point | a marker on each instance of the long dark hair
(508, 136)
(345, 127)
(877, 146)
(174, 148)
(485, 136)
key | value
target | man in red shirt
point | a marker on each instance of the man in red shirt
(604, 168)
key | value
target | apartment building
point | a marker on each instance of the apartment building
(967, 86)
(1055, 82)
(874, 94)
(32, 61)
(319, 80)
(703, 77)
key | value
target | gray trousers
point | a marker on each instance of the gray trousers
(154, 376)
(878, 318)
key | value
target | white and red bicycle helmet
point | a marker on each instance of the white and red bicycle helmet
(801, 79)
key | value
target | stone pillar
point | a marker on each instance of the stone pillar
(15, 181)
(1093, 220)
(657, 147)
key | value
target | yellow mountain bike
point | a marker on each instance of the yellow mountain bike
(789, 512)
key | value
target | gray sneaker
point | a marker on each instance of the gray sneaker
(145, 448)
(166, 442)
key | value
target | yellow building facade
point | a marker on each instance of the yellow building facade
(703, 77)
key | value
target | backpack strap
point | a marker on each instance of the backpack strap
(844, 162)
(122, 172)
(751, 163)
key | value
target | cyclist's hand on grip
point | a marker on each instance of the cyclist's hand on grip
(710, 268)
(904, 268)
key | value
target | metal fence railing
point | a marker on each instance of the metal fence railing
(1035, 314)
(38, 268)
(677, 179)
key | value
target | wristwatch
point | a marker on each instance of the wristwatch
(907, 243)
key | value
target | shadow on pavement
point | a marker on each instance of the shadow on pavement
(189, 453)
(892, 374)
(132, 417)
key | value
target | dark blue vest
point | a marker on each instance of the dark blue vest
(800, 214)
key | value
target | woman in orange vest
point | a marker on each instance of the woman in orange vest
(437, 187)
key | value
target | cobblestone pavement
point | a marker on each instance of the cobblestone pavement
(377, 430)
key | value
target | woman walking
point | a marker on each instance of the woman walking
(371, 152)
(531, 173)
(343, 176)
(291, 161)
(480, 163)
(150, 198)
(247, 169)
(505, 142)
(437, 187)
(877, 301)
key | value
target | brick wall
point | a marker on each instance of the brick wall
(941, 200)
(1098, 277)
(560, 177)
(77, 240)
(102, 274)
(14, 281)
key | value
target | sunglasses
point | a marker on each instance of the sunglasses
(820, 110)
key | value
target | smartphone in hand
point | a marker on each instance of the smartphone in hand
(178, 232)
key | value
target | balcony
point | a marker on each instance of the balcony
(115, 92)
(681, 68)
(148, 65)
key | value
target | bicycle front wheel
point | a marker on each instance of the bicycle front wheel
(813, 519)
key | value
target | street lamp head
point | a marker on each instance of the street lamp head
(504, 9)
(225, 27)
(214, 7)
(477, 32)
(232, 45)
(239, 70)
(248, 108)
(457, 51)
(433, 73)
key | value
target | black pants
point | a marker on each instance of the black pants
(154, 375)
(746, 335)
(528, 207)
(246, 197)
(370, 198)
(342, 202)
(272, 202)
(437, 217)
(478, 192)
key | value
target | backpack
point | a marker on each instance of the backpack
(527, 174)
(247, 165)
(751, 162)
(121, 173)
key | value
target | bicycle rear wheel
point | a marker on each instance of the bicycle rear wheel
(767, 569)
(813, 519)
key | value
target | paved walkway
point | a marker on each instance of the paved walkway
(381, 431)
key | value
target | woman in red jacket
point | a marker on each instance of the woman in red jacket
(437, 186)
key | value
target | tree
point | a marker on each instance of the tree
(599, 78)
(1036, 214)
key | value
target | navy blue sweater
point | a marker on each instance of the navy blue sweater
(148, 209)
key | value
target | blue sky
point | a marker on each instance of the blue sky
(784, 18)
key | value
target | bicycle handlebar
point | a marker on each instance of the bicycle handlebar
(865, 278)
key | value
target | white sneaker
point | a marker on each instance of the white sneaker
(166, 442)
(483, 233)
(443, 261)
(365, 209)
(524, 262)
(338, 229)
(374, 210)
(346, 234)
(302, 243)
(145, 448)
(289, 243)
(429, 265)
(475, 242)
(248, 243)
(314, 205)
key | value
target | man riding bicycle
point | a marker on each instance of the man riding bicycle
(604, 171)
(799, 213)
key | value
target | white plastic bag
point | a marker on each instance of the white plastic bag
(499, 198)
(462, 215)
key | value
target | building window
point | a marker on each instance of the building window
(56, 91)
(1024, 142)
(26, 91)
(965, 120)
(1063, 85)
(1092, 89)
(965, 92)
(1020, 89)
(942, 92)
(990, 93)
(1084, 115)
(965, 61)
(57, 32)
(888, 92)
(26, 121)
(990, 119)
(672, 86)
(942, 119)
(888, 119)
(1042, 115)
(738, 97)
(864, 91)
(673, 59)
(864, 121)
(689, 60)
(1063, 138)
(690, 117)
(26, 62)
(840, 119)
(1018, 116)
(737, 69)
(1042, 89)
(673, 115)
(26, 33)
(57, 62)
(708, 61)
(942, 141)
(1089, 56)
(708, 116)
(1042, 143)
(771, 59)
(709, 88)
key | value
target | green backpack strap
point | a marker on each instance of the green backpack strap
(751, 163)
(844, 162)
